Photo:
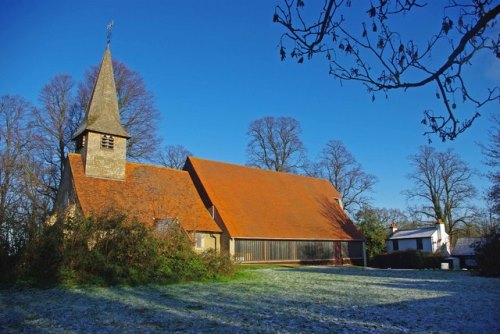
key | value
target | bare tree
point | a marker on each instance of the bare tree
(443, 184)
(375, 52)
(275, 144)
(340, 167)
(18, 211)
(13, 147)
(138, 113)
(174, 156)
(55, 121)
(492, 153)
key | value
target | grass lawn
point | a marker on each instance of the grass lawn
(268, 299)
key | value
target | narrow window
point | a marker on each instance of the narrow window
(107, 141)
(395, 245)
(199, 240)
(420, 244)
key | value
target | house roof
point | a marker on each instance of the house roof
(256, 203)
(148, 193)
(465, 246)
(426, 232)
(102, 114)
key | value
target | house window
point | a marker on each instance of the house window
(108, 142)
(395, 245)
(420, 244)
(199, 240)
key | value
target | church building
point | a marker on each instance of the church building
(255, 215)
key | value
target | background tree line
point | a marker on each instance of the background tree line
(442, 189)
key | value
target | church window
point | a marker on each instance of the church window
(199, 240)
(107, 141)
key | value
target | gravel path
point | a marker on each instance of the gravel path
(274, 299)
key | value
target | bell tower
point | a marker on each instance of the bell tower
(101, 138)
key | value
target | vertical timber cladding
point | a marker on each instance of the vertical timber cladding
(258, 250)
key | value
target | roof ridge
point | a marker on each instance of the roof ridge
(258, 169)
(155, 166)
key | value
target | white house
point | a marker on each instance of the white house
(427, 239)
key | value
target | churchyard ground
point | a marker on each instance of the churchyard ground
(306, 299)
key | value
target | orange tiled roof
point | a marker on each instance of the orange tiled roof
(148, 192)
(256, 203)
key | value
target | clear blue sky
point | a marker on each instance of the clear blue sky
(214, 67)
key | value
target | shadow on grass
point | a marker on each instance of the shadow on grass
(282, 300)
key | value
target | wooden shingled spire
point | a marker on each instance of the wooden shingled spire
(102, 114)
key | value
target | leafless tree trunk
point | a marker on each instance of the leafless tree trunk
(138, 113)
(443, 183)
(384, 58)
(340, 167)
(275, 144)
(174, 156)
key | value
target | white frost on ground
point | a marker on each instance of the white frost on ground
(277, 299)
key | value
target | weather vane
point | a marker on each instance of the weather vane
(109, 28)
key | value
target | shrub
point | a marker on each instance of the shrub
(219, 264)
(42, 259)
(116, 250)
(109, 250)
(410, 259)
(488, 259)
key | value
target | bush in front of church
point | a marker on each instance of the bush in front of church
(115, 249)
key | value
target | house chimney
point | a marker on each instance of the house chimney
(441, 229)
(392, 228)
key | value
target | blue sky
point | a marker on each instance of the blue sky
(214, 67)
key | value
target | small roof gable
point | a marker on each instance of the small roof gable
(257, 203)
(148, 192)
(465, 246)
(102, 114)
(426, 232)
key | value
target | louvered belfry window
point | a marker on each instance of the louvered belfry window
(107, 141)
(80, 143)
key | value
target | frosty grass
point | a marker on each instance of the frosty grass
(269, 299)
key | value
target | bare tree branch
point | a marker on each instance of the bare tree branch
(383, 60)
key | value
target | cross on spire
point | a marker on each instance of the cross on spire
(109, 28)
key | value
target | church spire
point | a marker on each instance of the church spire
(102, 113)
(101, 139)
